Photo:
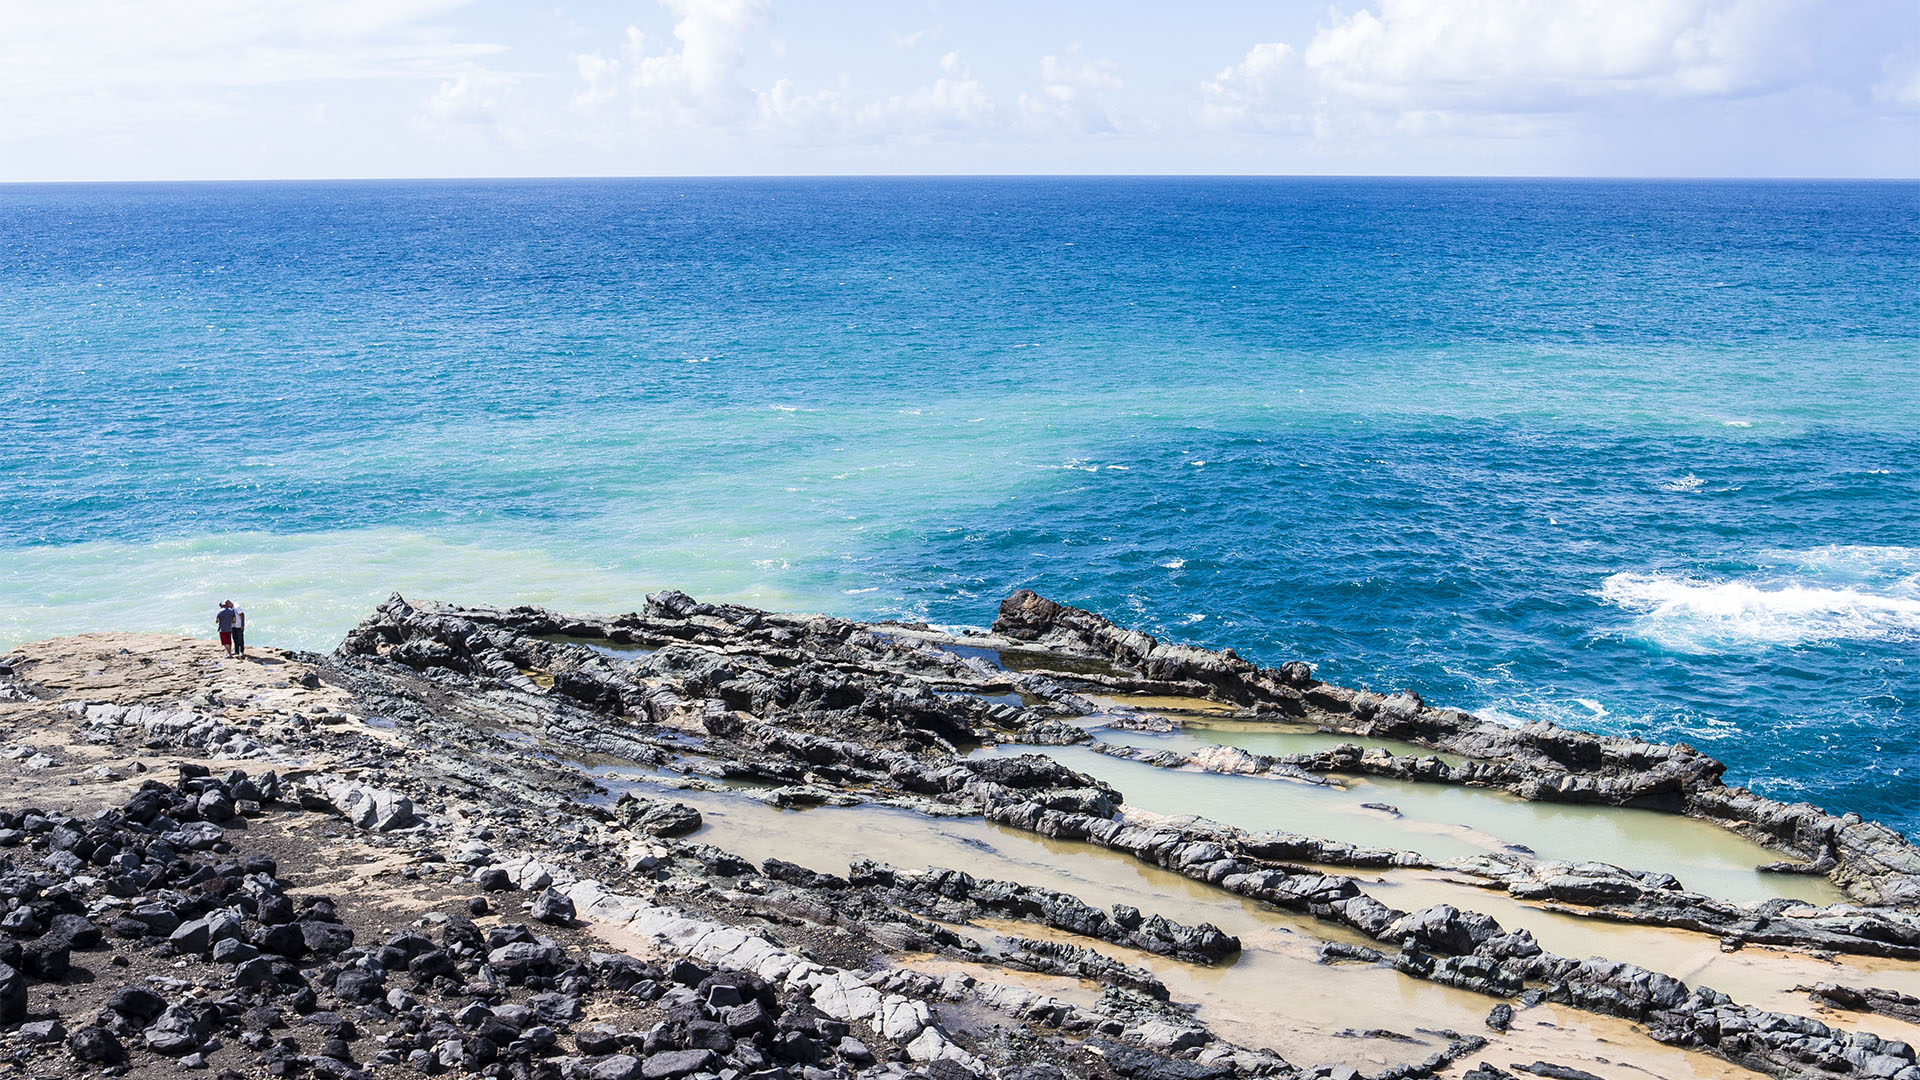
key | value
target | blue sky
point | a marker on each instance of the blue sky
(208, 89)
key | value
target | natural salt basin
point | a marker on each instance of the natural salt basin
(1275, 995)
(616, 649)
(1153, 703)
(1281, 999)
(1756, 975)
(1259, 737)
(1444, 821)
(1013, 699)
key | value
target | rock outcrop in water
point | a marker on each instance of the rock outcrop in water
(475, 841)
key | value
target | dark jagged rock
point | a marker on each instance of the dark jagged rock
(953, 894)
(657, 817)
(1866, 999)
(496, 707)
(1539, 761)
(1556, 1072)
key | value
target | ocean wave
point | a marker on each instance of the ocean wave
(1517, 709)
(1708, 616)
(1887, 564)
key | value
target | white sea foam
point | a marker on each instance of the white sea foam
(1827, 594)
(1174, 563)
(1688, 482)
(1498, 713)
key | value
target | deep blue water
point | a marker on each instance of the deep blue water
(1642, 457)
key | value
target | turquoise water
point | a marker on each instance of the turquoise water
(1637, 456)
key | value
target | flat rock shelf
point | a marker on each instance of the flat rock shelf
(707, 841)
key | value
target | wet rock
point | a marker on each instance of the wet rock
(658, 818)
(1556, 1072)
(1140, 1064)
(941, 892)
(1869, 999)
(1443, 928)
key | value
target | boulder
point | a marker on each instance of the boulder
(379, 809)
(551, 907)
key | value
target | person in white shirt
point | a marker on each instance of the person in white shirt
(239, 630)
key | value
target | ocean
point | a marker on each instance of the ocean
(1640, 457)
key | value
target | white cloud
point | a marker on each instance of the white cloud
(955, 101)
(476, 101)
(906, 40)
(697, 79)
(100, 64)
(602, 76)
(1507, 65)
(1900, 82)
(1496, 51)
(1265, 91)
(1073, 97)
(823, 112)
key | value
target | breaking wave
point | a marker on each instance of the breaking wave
(1830, 594)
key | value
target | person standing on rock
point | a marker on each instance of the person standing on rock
(239, 630)
(223, 620)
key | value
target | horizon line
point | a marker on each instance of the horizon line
(530, 177)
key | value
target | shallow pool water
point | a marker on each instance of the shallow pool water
(604, 646)
(1445, 821)
(1274, 995)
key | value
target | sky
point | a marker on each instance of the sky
(280, 89)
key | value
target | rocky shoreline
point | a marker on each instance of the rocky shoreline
(471, 841)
